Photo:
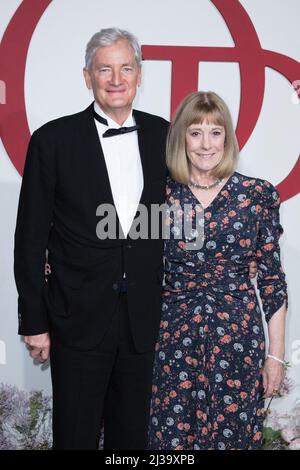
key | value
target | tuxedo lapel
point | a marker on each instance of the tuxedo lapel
(95, 157)
(143, 142)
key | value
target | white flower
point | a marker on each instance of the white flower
(183, 376)
(170, 421)
(295, 444)
(175, 442)
(288, 434)
(177, 408)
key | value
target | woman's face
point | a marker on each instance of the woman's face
(204, 146)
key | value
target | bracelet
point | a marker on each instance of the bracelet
(276, 359)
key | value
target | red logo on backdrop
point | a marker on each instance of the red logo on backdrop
(247, 52)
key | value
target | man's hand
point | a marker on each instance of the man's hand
(39, 346)
(252, 269)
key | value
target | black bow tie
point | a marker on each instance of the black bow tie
(112, 132)
(121, 130)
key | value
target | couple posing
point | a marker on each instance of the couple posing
(104, 305)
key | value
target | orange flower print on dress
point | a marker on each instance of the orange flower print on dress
(226, 339)
(232, 408)
(186, 384)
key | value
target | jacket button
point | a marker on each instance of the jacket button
(129, 246)
(115, 286)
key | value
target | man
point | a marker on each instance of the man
(98, 314)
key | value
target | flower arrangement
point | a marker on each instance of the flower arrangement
(281, 430)
(25, 419)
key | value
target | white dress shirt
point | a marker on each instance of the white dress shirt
(124, 167)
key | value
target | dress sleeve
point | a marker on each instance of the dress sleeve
(271, 278)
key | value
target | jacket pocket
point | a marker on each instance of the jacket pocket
(66, 293)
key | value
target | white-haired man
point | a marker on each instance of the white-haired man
(99, 312)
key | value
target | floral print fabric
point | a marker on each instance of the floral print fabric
(207, 385)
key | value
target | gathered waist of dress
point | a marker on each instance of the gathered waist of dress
(229, 277)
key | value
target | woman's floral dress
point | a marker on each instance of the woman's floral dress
(207, 385)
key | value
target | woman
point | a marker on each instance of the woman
(210, 373)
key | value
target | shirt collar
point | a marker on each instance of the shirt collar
(111, 123)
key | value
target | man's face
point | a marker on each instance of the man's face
(114, 76)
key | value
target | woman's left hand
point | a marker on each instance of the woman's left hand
(273, 374)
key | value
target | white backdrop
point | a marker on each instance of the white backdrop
(54, 86)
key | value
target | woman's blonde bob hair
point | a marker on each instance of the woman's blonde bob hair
(197, 108)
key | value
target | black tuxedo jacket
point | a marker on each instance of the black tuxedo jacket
(65, 180)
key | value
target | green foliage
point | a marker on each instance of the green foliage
(272, 440)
